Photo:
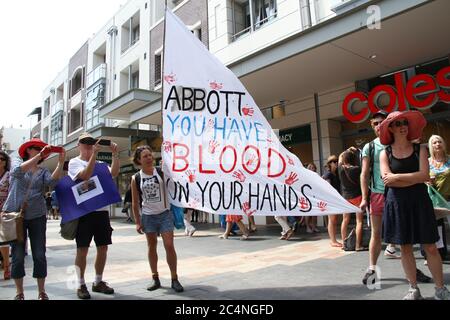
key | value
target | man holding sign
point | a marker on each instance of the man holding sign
(94, 224)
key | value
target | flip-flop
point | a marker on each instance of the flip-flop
(362, 249)
(336, 245)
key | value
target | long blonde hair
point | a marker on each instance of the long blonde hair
(430, 146)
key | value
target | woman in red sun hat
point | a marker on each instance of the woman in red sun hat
(408, 211)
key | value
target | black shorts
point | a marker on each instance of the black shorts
(94, 225)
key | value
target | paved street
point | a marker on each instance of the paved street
(263, 267)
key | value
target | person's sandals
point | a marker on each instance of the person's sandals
(244, 237)
(19, 296)
(336, 244)
(43, 296)
(289, 234)
(223, 236)
(7, 274)
(361, 249)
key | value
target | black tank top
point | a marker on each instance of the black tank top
(406, 165)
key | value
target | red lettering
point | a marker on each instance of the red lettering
(443, 79)
(400, 81)
(269, 165)
(422, 84)
(244, 165)
(347, 107)
(377, 92)
(234, 159)
(200, 165)
(180, 157)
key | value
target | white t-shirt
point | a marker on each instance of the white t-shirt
(76, 165)
(152, 187)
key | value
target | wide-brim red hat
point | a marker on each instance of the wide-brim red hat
(416, 124)
(35, 142)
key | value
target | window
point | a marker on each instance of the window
(158, 68)
(251, 15)
(130, 32)
(135, 80)
(77, 82)
(56, 129)
(135, 35)
(46, 107)
(95, 98)
(75, 118)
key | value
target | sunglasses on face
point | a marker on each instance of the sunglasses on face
(399, 123)
(333, 161)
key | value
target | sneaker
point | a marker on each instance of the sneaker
(390, 253)
(192, 231)
(369, 276)
(176, 285)
(244, 237)
(156, 284)
(186, 231)
(102, 287)
(442, 294)
(83, 293)
(19, 296)
(413, 294)
(421, 277)
(283, 237)
(43, 296)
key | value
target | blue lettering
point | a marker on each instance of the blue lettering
(173, 122)
(185, 130)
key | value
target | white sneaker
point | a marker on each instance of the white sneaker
(442, 294)
(390, 253)
(192, 231)
(413, 294)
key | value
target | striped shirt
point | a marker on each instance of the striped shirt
(19, 182)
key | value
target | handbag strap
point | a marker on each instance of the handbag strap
(25, 201)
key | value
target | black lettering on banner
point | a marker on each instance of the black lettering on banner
(187, 98)
(216, 196)
(253, 195)
(199, 96)
(175, 97)
(227, 93)
(208, 102)
(276, 195)
(306, 197)
(224, 195)
(237, 185)
(266, 196)
(183, 191)
(294, 205)
(240, 94)
(173, 197)
(203, 191)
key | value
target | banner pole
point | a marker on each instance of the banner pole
(162, 75)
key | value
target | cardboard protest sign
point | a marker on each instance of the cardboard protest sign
(220, 154)
(78, 198)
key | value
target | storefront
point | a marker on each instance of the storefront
(298, 141)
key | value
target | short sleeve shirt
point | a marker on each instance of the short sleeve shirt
(334, 180)
(376, 184)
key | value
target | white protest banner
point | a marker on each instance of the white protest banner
(220, 154)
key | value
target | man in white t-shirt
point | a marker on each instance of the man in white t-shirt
(95, 224)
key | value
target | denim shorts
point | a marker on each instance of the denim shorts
(158, 223)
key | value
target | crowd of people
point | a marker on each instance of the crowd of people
(387, 180)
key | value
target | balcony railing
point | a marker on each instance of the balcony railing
(58, 106)
(77, 98)
(95, 75)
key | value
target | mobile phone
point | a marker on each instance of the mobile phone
(104, 142)
(55, 149)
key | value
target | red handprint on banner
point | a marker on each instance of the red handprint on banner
(191, 176)
(291, 179)
(247, 210)
(170, 79)
(248, 111)
(269, 141)
(303, 203)
(239, 175)
(167, 145)
(194, 204)
(322, 206)
(213, 146)
(290, 161)
(210, 124)
(215, 85)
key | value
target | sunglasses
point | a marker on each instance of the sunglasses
(333, 161)
(2, 159)
(399, 123)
